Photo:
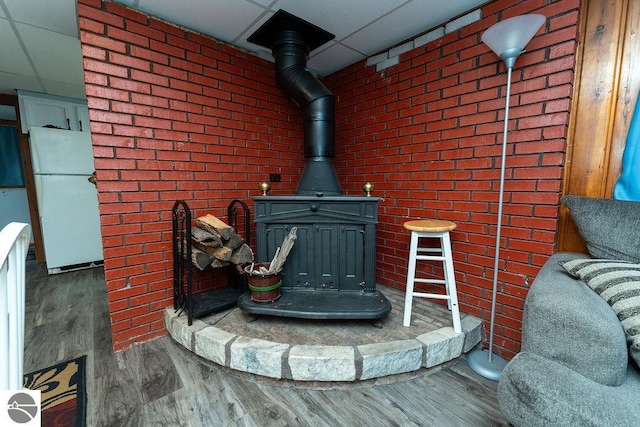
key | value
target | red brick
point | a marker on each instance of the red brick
(93, 12)
(154, 79)
(95, 79)
(91, 26)
(105, 116)
(94, 53)
(126, 13)
(104, 68)
(107, 93)
(99, 41)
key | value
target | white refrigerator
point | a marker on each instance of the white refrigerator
(67, 202)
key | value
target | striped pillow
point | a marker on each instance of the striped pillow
(618, 283)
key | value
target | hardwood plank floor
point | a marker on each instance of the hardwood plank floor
(158, 383)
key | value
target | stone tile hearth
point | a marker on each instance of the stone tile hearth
(328, 350)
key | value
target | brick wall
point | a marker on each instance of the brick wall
(428, 133)
(175, 115)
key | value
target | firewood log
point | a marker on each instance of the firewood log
(235, 241)
(222, 253)
(198, 258)
(283, 252)
(214, 225)
(205, 238)
(216, 263)
(242, 255)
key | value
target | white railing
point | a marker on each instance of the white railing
(14, 243)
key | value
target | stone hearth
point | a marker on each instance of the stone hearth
(328, 350)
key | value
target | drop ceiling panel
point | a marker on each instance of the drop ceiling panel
(339, 17)
(55, 56)
(14, 60)
(224, 19)
(10, 82)
(337, 55)
(69, 90)
(402, 24)
(59, 16)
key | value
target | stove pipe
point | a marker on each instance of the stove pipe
(319, 176)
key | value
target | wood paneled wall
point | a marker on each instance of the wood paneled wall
(607, 87)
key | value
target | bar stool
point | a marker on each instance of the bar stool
(432, 229)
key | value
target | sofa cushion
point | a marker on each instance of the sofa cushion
(536, 391)
(618, 283)
(565, 321)
(609, 227)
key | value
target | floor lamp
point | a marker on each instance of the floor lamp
(507, 39)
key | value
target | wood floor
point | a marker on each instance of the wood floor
(160, 384)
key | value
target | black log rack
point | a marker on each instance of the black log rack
(200, 304)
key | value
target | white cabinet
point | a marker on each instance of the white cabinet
(46, 110)
(82, 114)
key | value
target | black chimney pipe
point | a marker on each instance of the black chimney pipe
(289, 38)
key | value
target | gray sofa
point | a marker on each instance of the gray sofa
(574, 367)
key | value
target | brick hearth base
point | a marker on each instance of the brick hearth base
(311, 350)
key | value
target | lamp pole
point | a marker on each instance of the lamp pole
(507, 39)
(500, 203)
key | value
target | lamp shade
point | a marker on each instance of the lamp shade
(509, 37)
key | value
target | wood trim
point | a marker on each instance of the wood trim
(604, 87)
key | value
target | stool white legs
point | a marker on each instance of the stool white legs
(443, 254)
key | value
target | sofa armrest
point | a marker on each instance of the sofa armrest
(535, 391)
(567, 322)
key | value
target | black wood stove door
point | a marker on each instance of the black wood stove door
(335, 246)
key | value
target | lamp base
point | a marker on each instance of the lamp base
(478, 361)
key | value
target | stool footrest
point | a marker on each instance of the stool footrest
(434, 296)
(438, 250)
(430, 257)
(433, 281)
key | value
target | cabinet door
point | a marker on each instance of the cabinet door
(82, 116)
(327, 257)
(352, 262)
(62, 113)
(44, 112)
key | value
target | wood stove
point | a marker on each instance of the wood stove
(330, 273)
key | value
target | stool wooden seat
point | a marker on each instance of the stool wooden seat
(431, 229)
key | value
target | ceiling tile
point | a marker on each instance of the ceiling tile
(56, 56)
(65, 89)
(265, 3)
(10, 82)
(11, 48)
(339, 17)
(62, 18)
(333, 58)
(402, 24)
(223, 19)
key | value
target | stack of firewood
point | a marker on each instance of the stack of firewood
(215, 243)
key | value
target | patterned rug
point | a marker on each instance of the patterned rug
(63, 393)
